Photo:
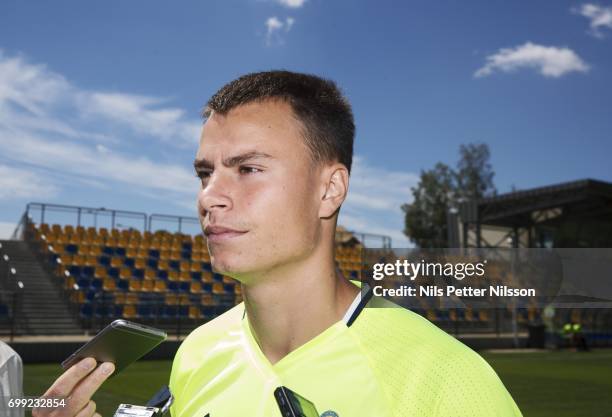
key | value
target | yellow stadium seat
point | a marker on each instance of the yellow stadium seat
(160, 286)
(115, 233)
(129, 311)
(150, 274)
(77, 297)
(207, 300)
(163, 265)
(217, 288)
(91, 260)
(238, 289)
(147, 285)
(100, 272)
(66, 259)
(184, 276)
(135, 285)
(125, 273)
(131, 252)
(194, 312)
(184, 266)
(195, 288)
(164, 254)
(120, 298)
(207, 276)
(196, 257)
(195, 267)
(109, 284)
(116, 262)
(173, 275)
(131, 298)
(111, 242)
(171, 299)
(142, 253)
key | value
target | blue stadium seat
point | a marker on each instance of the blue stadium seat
(206, 267)
(170, 311)
(86, 311)
(154, 253)
(186, 246)
(217, 277)
(104, 260)
(71, 249)
(96, 284)
(152, 263)
(88, 271)
(184, 286)
(113, 272)
(183, 311)
(120, 251)
(84, 282)
(173, 286)
(123, 285)
(174, 265)
(161, 274)
(186, 254)
(196, 276)
(138, 273)
(228, 288)
(129, 262)
(108, 251)
(75, 271)
(144, 311)
(207, 287)
(4, 311)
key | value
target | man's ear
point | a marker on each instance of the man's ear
(335, 187)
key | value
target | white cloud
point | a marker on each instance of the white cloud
(16, 183)
(374, 200)
(140, 113)
(600, 17)
(34, 98)
(274, 28)
(56, 136)
(550, 61)
(293, 4)
(6, 230)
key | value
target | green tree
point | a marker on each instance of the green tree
(426, 216)
(442, 189)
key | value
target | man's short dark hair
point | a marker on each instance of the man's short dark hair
(325, 114)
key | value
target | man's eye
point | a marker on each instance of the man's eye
(249, 170)
(203, 175)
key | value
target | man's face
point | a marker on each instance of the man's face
(259, 199)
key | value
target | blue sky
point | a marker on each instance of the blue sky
(100, 102)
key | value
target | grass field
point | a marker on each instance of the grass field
(543, 384)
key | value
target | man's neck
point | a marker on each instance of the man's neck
(292, 305)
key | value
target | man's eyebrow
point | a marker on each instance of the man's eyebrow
(232, 160)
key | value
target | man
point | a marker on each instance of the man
(274, 162)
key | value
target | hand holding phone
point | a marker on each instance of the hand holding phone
(77, 385)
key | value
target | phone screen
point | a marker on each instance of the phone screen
(121, 342)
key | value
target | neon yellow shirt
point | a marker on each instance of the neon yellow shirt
(390, 362)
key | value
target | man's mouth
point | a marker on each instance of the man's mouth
(216, 233)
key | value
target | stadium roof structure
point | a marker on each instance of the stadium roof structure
(526, 209)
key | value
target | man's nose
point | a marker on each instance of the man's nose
(215, 195)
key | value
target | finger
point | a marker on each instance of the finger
(97, 415)
(63, 385)
(88, 411)
(88, 386)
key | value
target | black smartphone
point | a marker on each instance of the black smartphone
(121, 342)
(292, 404)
